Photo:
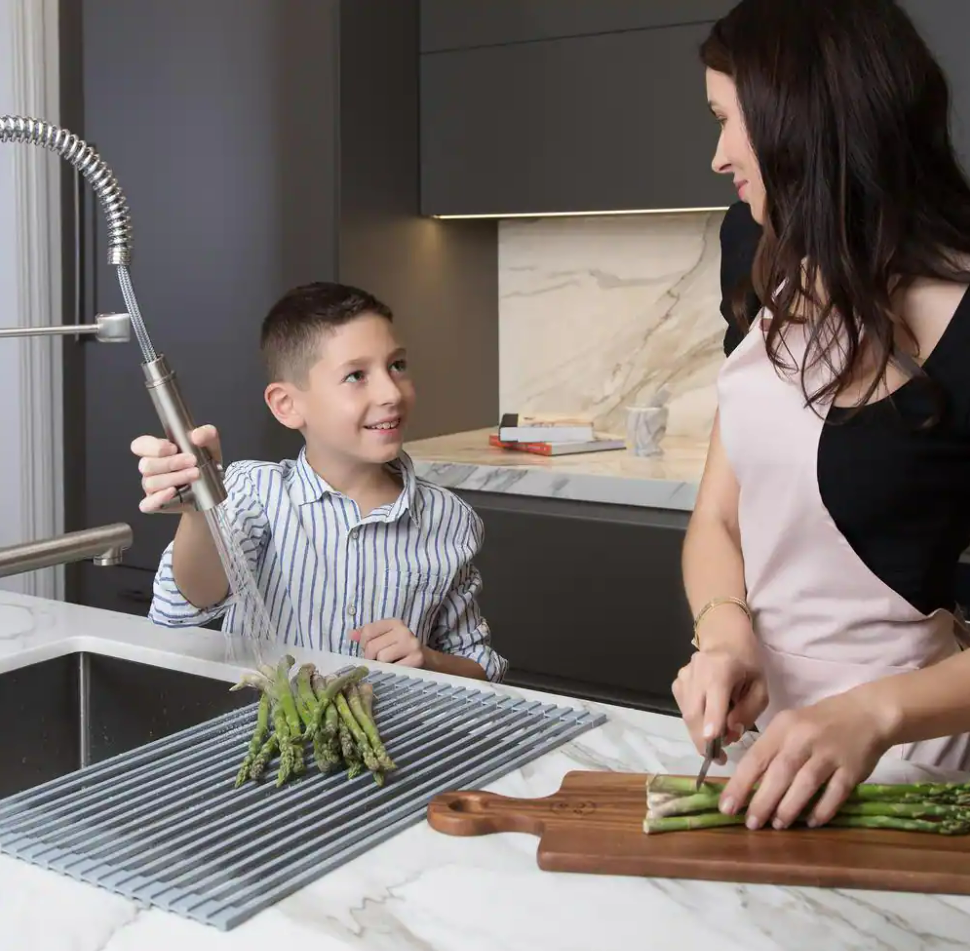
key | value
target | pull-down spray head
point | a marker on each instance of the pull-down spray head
(160, 379)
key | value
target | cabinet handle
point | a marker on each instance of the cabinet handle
(134, 595)
(78, 252)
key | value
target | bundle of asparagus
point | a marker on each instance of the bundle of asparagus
(334, 714)
(675, 805)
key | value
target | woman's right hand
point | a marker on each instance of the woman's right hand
(164, 468)
(721, 692)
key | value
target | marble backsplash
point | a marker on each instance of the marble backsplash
(597, 313)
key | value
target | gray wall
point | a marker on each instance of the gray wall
(260, 144)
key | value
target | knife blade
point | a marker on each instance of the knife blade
(712, 752)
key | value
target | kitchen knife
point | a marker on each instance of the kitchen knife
(712, 753)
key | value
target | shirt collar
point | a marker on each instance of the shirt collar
(308, 486)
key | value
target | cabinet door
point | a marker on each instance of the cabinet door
(585, 599)
(447, 24)
(596, 123)
(945, 24)
(217, 119)
(120, 588)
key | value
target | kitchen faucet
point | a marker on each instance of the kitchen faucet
(106, 543)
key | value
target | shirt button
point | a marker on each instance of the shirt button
(351, 609)
(354, 532)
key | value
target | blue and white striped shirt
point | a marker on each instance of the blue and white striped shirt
(324, 571)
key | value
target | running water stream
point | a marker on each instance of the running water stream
(251, 617)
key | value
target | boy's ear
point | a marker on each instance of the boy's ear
(282, 404)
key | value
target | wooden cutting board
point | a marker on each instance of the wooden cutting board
(594, 824)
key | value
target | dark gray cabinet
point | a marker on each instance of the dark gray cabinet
(260, 144)
(586, 599)
(617, 121)
(945, 24)
(448, 25)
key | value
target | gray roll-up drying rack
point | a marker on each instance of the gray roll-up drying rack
(164, 826)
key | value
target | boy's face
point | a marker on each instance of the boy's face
(358, 396)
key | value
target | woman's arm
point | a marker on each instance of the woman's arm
(722, 691)
(924, 704)
(711, 560)
(836, 743)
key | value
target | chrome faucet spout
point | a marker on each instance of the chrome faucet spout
(209, 490)
(104, 544)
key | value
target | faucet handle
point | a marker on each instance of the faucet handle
(185, 497)
(182, 501)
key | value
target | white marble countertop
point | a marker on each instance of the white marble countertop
(467, 461)
(430, 892)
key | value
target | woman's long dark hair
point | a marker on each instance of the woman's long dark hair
(847, 112)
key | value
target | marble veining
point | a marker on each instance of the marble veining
(467, 461)
(597, 313)
(423, 891)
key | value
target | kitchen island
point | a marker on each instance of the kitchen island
(587, 546)
(423, 890)
(466, 461)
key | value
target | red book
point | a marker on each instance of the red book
(557, 449)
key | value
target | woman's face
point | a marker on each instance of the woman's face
(734, 155)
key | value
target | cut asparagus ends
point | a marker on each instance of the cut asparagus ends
(674, 804)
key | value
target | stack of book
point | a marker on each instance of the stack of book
(547, 434)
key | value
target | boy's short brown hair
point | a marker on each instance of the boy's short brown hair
(291, 331)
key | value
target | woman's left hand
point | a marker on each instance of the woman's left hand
(834, 743)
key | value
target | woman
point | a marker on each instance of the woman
(835, 502)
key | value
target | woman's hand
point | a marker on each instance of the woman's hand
(834, 744)
(721, 692)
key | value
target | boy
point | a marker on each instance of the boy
(350, 550)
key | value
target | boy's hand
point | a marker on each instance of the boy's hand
(164, 467)
(389, 642)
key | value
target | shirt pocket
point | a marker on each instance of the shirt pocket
(412, 596)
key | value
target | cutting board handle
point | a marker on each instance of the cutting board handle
(482, 813)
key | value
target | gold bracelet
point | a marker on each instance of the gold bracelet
(713, 603)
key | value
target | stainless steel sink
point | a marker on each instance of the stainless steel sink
(61, 714)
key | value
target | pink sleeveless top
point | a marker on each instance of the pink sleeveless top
(824, 621)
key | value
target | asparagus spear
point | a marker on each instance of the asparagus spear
(705, 820)
(291, 738)
(331, 732)
(363, 711)
(306, 700)
(364, 750)
(673, 804)
(905, 810)
(266, 753)
(283, 738)
(258, 738)
(955, 793)
(327, 688)
(349, 750)
(324, 755)
(366, 692)
(940, 827)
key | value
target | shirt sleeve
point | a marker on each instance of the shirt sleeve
(459, 627)
(245, 513)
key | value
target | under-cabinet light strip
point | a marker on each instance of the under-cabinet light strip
(582, 214)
